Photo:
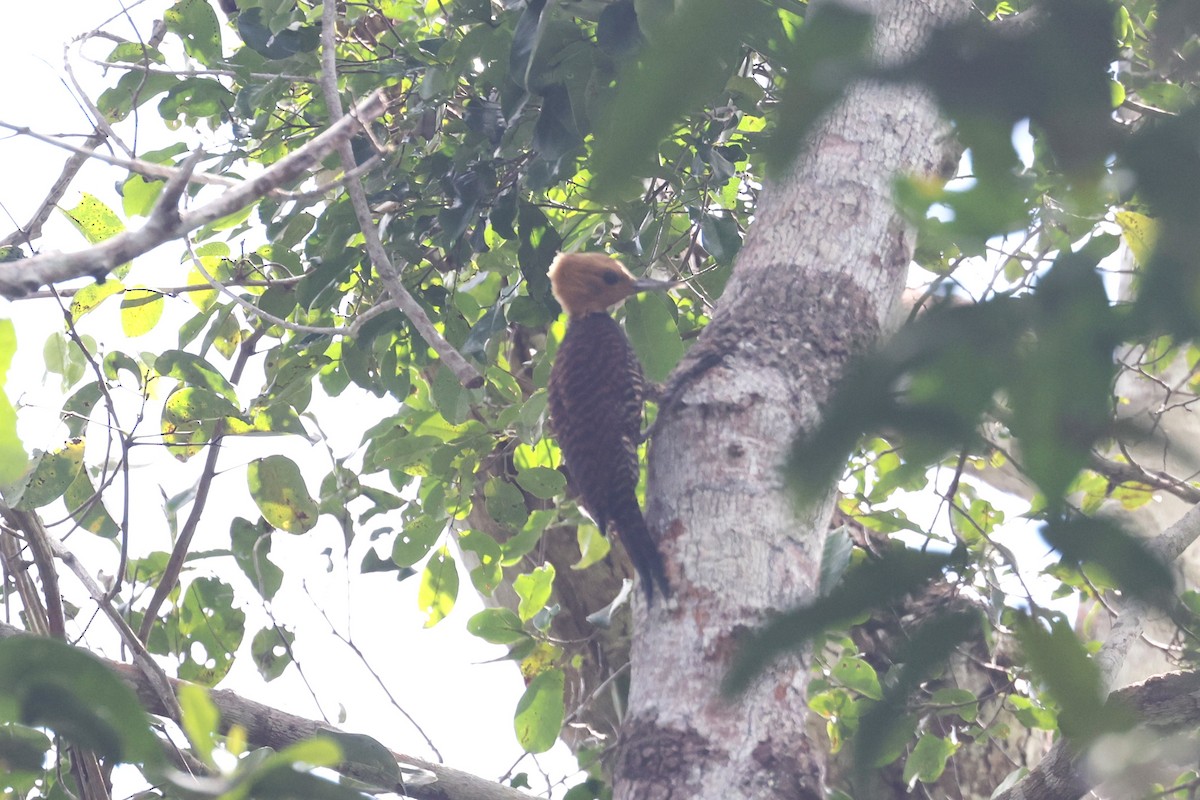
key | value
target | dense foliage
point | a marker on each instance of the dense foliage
(514, 131)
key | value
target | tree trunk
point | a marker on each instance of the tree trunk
(816, 283)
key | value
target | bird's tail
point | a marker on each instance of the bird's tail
(643, 552)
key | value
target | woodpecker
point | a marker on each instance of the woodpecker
(596, 393)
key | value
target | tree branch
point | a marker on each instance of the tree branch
(454, 361)
(269, 727)
(350, 330)
(37, 538)
(33, 229)
(1127, 472)
(21, 277)
(1164, 703)
(1059, 775)
(184, 542)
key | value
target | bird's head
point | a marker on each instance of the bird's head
(585, 283)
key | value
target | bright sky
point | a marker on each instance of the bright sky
(439, 676)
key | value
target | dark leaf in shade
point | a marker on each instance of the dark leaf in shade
(1124, 557)
(867, 586)
(919, 660)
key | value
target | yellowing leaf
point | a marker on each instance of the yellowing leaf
(141, 309)
(13, 457)
(94, 220)
(279, 491)
(1140, 233)
(48, 477)
(439, 587)
(89, 297)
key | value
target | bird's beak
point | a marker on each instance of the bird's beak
(648, 285)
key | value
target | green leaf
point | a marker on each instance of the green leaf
(195, 22)
(855, 673)
(928, 759)
(368, 753)
(439, 587)
(534, 590)
(47, 477)
(139, 194)
(593, 546)
(542, 482)
(251, 545)
(64, 357)
(540, 712)
(498, 626)
(418, 538)
(692, 54)
(194, 371)
(71, 692)
(141, 309)
(885, 728)
(279, 492)
(190, 417)
(654, 335)
(1059, 659)
(835, 557)
(271, 650)
(1061, 394)
(135, 53)
(866, 586)
(23, 749)
(200, 719)
(831, 50)
(132, 90)
(13, 458)
(207, 618)
(87, 508)
(274, 44)
(956, 701)
(1126, 558)
(78, 408)
(505, 503)
(487, 575)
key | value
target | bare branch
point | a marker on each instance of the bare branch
(1164, 703)
(1059, 776)
(454, 360)
(350, 330)
(147, 169)
(182, 544)
(269, 727)
(21, 277)
(1126, 472)
(155, 677)
(38, 540)
(32, 230)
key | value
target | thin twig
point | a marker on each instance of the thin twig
(179, 553)
(38, 540)
(141, 656)
(350, 330)
(349, 642)
(32, 230)
(454, 361)
(25, 275)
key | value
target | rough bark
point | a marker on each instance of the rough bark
(816, 283)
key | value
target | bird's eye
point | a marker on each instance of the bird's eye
(611, 278)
